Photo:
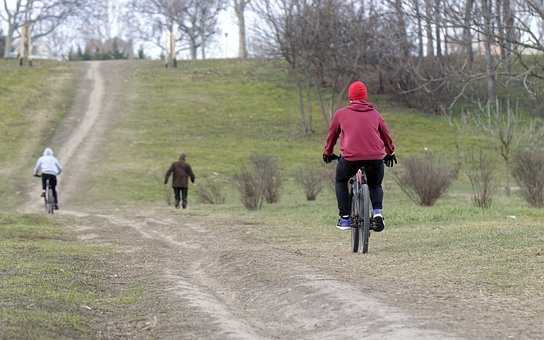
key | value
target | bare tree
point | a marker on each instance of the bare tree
(199, 23)
(13, 16)
(152, 20)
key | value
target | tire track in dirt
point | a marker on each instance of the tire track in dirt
(245, 301)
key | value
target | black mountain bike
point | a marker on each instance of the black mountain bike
(361, 211)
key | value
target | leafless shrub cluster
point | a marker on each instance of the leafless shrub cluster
(311, 179)
(480, 169)
(424, 179)
(259, 181)
(528, 170)
(210, 190)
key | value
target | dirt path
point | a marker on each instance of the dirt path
(201, 278)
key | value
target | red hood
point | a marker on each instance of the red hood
(361, 106)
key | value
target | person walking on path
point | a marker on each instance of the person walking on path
(181, 171)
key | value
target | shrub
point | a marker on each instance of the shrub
(268, 172)
(330, 177)
(249, 185)
(528, 170)
(210, 191)
(425, 178)
(480, 170)
(259, 181)
(311, 178)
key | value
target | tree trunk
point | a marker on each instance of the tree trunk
(467, 30)
(404, 46)
(239, 9)
(171, 60)
(193, 48)
(489, 62)
(429, 27)
(419, 30)
(8, 42)
(509, 34)
(203, 48)
(438, 27)
(500, 27)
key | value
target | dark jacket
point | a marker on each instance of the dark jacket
(363, 133)
(181, 173)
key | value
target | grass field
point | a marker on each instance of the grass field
(52, 285)
(219, 112)
(32, 101)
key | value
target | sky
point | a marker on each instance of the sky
(225, 44)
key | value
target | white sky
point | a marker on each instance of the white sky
(225, 44)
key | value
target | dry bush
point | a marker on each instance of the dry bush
(528, 170)
(425, 178)
(259, 181)
(331, 177)
(268, 170)
(210, 190)
(312, 179)
(481, 169)
(250, 187)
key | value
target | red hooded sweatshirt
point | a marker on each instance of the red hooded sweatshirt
(363, 133)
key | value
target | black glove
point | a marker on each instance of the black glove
(328, 158)
(389, 159)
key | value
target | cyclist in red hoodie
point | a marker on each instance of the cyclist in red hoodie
(365, 141)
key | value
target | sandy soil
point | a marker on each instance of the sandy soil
(202, 278)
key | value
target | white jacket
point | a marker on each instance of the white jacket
(48, 164)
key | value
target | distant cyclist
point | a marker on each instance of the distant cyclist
(365, 141)
(49, 167)
(181, 172)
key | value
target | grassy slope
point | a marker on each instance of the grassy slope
(219, 112)
(32, 101)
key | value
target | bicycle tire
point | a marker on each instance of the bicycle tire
(365, 214)
(355, 239)
(50, 201)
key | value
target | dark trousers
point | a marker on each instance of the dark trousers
(52, 183)
(374, 171)
(181, 195)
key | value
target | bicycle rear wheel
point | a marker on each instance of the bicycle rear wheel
(365, 217)
(355, 230)
(50, 201)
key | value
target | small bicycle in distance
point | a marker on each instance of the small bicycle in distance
(361, 211)
(49, 198)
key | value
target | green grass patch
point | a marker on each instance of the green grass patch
(221, 111)
(51, 285)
